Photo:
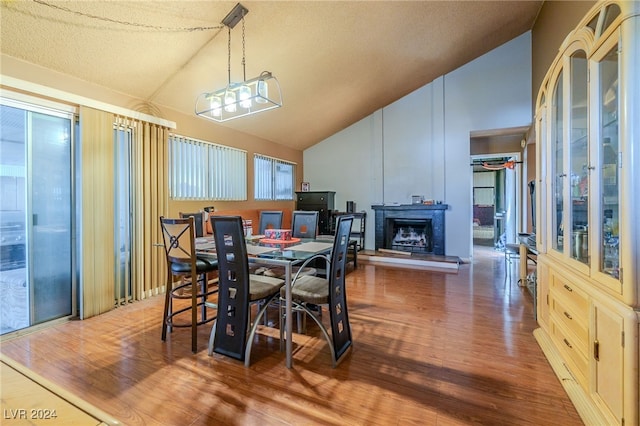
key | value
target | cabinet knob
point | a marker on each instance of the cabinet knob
(566, 314)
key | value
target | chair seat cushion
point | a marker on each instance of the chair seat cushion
(202, 266)
(278, 272)
(309, 289)
(261, 287)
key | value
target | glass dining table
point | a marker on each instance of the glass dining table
(284, 255)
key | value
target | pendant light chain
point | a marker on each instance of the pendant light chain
(229, 56)
(244, 71)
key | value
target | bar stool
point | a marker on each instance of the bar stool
(179, 243)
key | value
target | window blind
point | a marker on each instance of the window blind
(274, 178)
(203, 170)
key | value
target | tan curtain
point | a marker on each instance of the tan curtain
(97, 215)
(150, 200)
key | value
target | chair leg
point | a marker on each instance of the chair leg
(324, 332)
(212, 337)
(253, 328)
(281, 312)
(194, 315)
(167, 310)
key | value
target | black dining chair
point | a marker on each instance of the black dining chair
(198, 219)
(187, 278)
(309, 292)
(304, 224)
(233, 332)
(269, 220)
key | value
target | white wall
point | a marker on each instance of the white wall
(491, 92)
(419, 145)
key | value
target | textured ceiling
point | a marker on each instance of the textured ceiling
(336, 62)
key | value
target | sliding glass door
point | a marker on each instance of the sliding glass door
(36, 214)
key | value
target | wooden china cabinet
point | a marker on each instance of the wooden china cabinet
(588, 210)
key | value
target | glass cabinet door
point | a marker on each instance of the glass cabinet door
(578, 159)
(557, 167)
(608, 164)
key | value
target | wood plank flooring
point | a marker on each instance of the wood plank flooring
(430, 348)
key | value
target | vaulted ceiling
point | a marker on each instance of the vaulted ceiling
(336, 61)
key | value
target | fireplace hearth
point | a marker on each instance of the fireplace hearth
(415, 228)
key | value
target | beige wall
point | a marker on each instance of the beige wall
(187, 125)
(555, 21)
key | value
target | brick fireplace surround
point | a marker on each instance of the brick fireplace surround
(385, 215)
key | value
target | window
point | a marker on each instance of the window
(273, 178)
(206, 171)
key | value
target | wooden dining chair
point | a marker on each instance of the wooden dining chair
(232, 333)
(309, 292)
(187, 278)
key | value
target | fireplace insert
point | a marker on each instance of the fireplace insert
(414, 235)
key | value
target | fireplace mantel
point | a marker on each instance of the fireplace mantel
(432, 212)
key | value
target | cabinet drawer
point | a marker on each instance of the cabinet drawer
(567, 346)
(574, 322)
(313, 207)
(571, 295)
(322, 198)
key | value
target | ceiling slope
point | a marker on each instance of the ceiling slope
(337, 62)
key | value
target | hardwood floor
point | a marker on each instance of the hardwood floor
(430, 348)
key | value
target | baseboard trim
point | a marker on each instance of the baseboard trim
(409, 262)
(584, 405)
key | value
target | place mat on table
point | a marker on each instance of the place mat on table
(206, 246)
(312, 247)
(256, 250)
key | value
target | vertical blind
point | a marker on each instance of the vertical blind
(274, 178)
(149, 162)
(206, 171)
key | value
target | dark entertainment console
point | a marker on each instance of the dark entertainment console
(416, 228)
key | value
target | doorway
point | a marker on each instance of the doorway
(496, 161)
(496, 198)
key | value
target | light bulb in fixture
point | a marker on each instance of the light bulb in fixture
(230, 101)
(263, 92)
(245, 96)
(216, 106)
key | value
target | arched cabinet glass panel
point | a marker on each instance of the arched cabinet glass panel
(579, 159)
(609, 164)
(612, 12)
(557, 167)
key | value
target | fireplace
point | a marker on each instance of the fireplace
(415, 228)
(414, 235)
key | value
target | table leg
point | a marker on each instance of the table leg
(288, 321)
(524, 251)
